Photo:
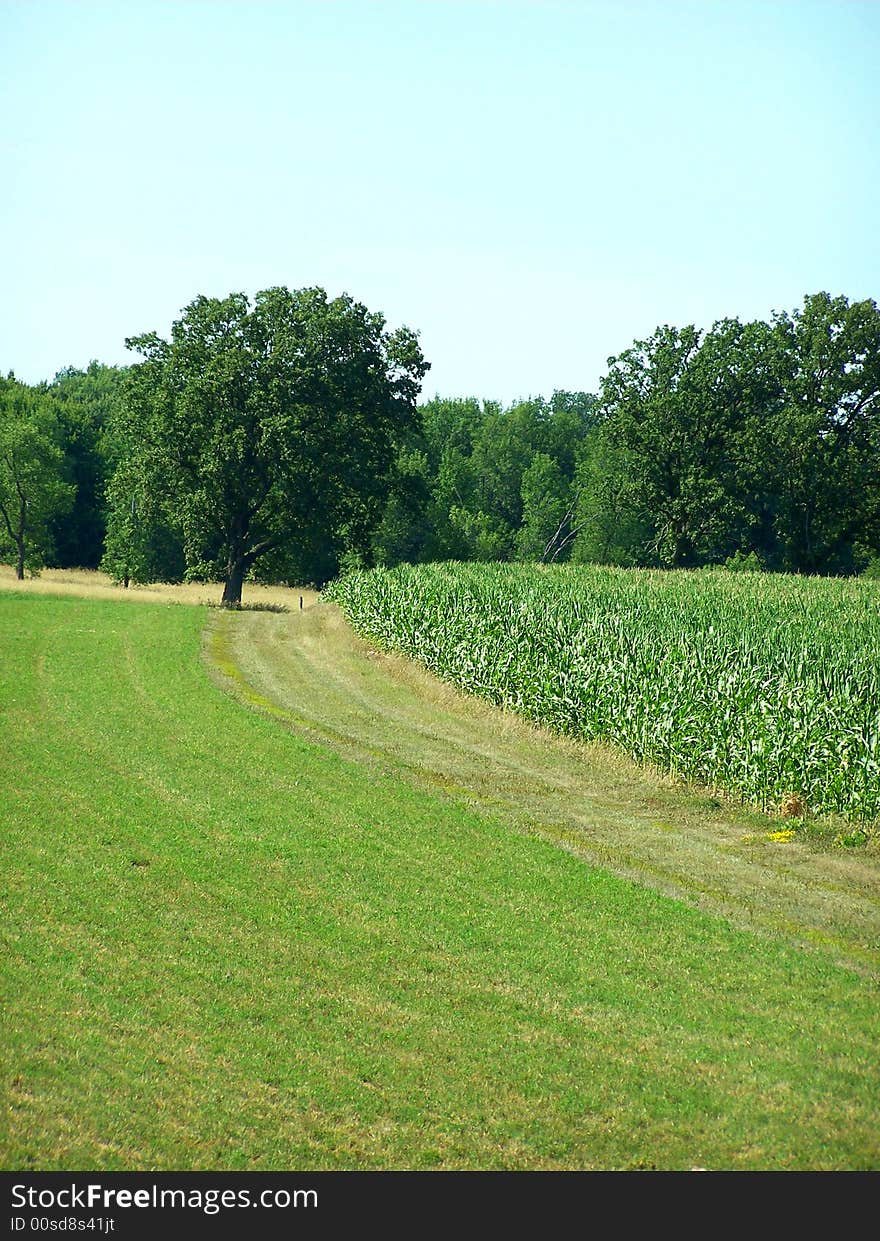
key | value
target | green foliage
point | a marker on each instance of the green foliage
(142, 543)
(740, 562)
(751, 437)
(282, 440)
(765, 685)
(143, 539)
(84, 403)
(546, 501)
(612, 526)
(33, 490)
(490, 483)
(674, 476)
(263, 430)
(405, 532)
(827, 433)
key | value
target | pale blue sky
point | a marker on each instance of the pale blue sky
(530, 185)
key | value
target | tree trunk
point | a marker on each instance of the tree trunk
(234, 581)
(20, 536)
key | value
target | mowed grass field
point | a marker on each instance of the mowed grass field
(229, 947)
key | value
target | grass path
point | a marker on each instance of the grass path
(227, 946)
(309, 669)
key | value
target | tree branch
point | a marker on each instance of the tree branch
(569, 513)
(7, 521)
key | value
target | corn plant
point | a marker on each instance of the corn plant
(765, 685)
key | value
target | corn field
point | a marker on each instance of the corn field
(764, 685)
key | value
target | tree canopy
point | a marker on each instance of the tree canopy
(260, 429)
(282, 439)
(757, 439)
(479, 482)
(33, 489)
(84, 403)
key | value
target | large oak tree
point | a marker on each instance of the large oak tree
(750, 438)
(261, 427)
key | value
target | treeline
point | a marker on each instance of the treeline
(57, 453)
(756, 441)
(475, 481)
(752, 444)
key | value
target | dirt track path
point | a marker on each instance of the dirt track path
(308, 670)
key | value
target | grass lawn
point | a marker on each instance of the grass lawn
(227, 947)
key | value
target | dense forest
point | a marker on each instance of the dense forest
(248, 445)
